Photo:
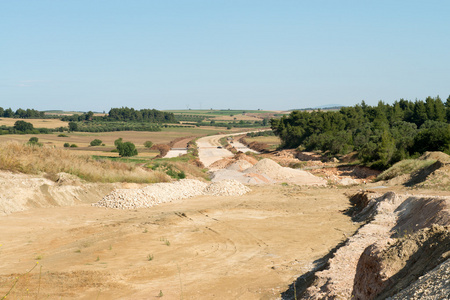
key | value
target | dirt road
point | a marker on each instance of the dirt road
(248, 247)
(209, 151)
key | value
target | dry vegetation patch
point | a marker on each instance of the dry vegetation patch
(18, 157)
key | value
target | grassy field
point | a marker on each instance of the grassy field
(272, 141)
(37, 123)
(18, 157)
(83, 139)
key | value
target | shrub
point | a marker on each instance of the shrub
(66, 145)
(118, 141)
(23, 126)
(148, 144)
(73, 146)
(127, 149)
(33, 141)
(162, 148)
(62, 135)
(96, 142)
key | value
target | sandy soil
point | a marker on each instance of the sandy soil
(247, 247)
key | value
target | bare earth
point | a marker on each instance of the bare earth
(247, 247)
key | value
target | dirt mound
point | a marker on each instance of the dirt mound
(227, 161)
(240, 165)
(435, 155)
(436, 177)
(389, 266)
(246, 178)
(21, 192)
(273, 170)
(222, 163)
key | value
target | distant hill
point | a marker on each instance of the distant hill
(323, 107)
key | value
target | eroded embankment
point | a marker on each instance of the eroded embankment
(403, 238)
(20, 192)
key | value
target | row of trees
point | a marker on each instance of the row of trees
(382, 134)
(21, 113)
(125, 114)
(22, 127)
(143, 115)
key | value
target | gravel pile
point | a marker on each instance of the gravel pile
(228, 187)
(165, 192)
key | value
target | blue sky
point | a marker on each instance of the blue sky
(248, 54)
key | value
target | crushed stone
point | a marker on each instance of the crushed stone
(166, 192)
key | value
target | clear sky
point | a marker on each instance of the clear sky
(247, 54)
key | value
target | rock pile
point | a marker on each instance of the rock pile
(228, 187)
(166, 192)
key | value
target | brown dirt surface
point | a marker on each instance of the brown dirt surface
(37, 123)
(436, 155)
(403, 239)
(228, 161)
(337, 174)
(181, 142)
(238, 247)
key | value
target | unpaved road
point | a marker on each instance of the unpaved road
(208, 151)
(248, 247)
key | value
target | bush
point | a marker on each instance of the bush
(23, 126)
(73, 146)
(66, 145)
(127, 149)
(118, 141)
(62, 135)
(148, 144)
(34, 141)
(73, 126)
(96, 142)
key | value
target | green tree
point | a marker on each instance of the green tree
(66, 145)
(118, 141)
(148, 144)
(127, 149)
(96, 142)
(73, 126)
(33, 140)
(386, 149)
(23, 126)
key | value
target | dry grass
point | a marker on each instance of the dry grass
(37, 123)
(272, 142)
(406, 166)
(22, 158)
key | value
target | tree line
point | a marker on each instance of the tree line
(381, 135)
(21, 113)
(125, 114)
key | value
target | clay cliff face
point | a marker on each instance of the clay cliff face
(389, 266)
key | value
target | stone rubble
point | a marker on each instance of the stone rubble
(166, 192)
